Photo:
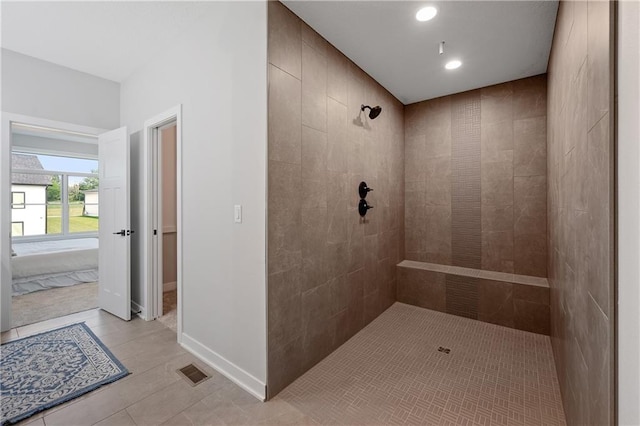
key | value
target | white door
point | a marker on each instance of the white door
(115, 232)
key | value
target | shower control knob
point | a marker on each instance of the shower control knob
(363, 189)
(363, 207)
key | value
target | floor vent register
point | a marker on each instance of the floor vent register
(193, 374)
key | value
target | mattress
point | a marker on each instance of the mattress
(42, 247)
(46, 264)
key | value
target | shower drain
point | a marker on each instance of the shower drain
(445, 350)
(193, 374)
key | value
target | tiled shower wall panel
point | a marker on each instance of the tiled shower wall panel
(581, 209)
(475, 178)
(466, 232)
(330, 273)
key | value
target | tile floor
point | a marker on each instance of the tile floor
(393, 373)
(170, 310)
(389, 373)
(154, 393)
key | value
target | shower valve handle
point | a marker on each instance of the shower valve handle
(363, 207)
(363, 189)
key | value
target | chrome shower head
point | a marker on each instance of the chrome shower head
(374, 112)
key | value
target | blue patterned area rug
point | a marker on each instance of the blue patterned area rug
(42, 371)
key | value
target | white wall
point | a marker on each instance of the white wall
(217, 71)
(33, 216)
(628, 213)
(92, 204)
(42, 89)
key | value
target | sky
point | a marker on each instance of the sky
(65, 164)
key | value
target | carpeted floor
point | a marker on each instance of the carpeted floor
(170, 310)
(56, 302)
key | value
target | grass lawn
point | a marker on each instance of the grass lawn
(77, 222)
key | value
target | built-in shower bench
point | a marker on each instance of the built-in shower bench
(510, 300)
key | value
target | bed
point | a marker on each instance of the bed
(58, 263)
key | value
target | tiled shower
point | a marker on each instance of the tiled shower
(330, 273)
(475, 205)
(493, 204)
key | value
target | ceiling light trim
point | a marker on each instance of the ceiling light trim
(453, 64)
(426, 13)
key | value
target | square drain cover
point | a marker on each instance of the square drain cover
(193, 374)
(445, 350)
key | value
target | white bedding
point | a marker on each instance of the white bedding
(40, 247)
(46, 264)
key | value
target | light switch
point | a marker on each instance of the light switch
(237, 213)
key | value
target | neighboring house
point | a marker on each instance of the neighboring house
(28, 197)
(91, 203)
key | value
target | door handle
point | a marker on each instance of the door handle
(121, 233)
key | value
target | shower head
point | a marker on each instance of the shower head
(374, 112)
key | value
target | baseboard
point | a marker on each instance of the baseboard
(138, 310)
(170, 286)
(234, 373)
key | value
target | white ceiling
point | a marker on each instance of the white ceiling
(497, 41)
(107, 39)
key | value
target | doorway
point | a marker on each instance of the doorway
(163, 228)
(166, 254)
(64, 220)
(54, 208)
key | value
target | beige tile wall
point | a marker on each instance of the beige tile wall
(330, 273)
(475, 178)
(581, 206)
(495, 297)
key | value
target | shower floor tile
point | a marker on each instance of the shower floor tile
(416, 366)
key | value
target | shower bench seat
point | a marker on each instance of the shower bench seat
(510, 300)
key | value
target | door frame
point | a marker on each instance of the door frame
(628, 214)
(152, 200)
(6, 120)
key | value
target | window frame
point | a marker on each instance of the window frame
(64, 233)
(21, 223)
(23, 203)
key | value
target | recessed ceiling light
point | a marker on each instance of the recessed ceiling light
(452, 65)
(426, 13)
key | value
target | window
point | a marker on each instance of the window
(17, 229)
(54, 206)
(60, 202)
(17, 200)
(82, 195)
